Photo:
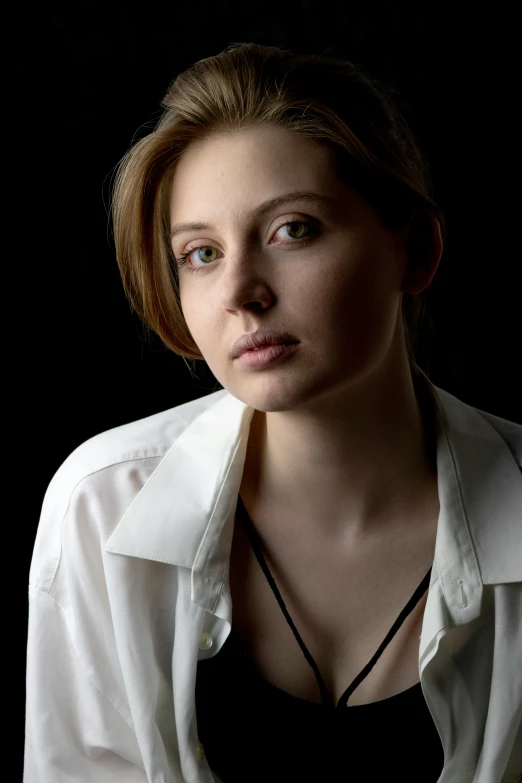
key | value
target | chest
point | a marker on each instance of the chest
(343, 602)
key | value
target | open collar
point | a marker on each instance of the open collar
(184, 513)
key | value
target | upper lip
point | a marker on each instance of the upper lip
(259, 339)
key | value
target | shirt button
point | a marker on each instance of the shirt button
(200, 751)
(205, 641)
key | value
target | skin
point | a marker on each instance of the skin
(338, 439)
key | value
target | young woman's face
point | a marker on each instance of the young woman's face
(332, 278)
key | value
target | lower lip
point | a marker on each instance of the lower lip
(266, 356)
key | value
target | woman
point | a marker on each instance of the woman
(313, 573)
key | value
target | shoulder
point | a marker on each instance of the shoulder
(145, 438)
(97, 482)
(469, 420)
(510, 431)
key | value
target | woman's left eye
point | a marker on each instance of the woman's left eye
(310, 232)
(305, 223)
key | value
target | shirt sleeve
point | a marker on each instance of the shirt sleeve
(72, 731)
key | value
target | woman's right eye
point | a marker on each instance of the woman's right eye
(182, 260)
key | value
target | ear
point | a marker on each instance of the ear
(423, 246)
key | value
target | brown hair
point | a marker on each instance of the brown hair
(326, 99)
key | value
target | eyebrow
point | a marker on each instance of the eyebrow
(262, 209)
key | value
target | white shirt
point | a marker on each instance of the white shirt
(128, 590)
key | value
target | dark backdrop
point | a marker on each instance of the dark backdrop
(89, 80)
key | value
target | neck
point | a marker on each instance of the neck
(346, 467)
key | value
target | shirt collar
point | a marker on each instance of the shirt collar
(184, 513)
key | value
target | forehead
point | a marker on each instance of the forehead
(236, 172)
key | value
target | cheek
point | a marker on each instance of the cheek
(374, 275)
(360, 287)
(193, 314)
(363, 307)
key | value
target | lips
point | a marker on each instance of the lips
(261, 339)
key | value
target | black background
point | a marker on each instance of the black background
(89, 79)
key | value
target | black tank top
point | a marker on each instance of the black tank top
(254, 732)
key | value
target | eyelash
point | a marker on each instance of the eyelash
(181, 261)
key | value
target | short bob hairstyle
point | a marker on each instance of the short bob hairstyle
(326, 99)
